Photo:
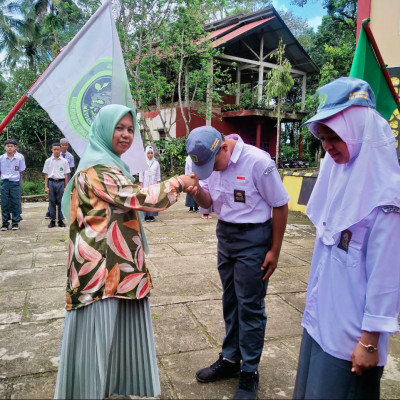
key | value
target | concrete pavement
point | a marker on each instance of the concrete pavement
(185, 304)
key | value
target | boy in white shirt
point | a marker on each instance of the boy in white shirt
(56, 169)
(11, 168)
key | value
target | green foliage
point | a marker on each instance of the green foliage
(278, 85)
(31, 125)
(32, 188)
(279, 79)
(288, 152)
(173, 155)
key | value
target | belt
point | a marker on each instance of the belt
(56, 180)
(246, 225)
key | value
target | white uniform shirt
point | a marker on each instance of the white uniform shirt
(20, 155)
(188, 166)
(248, 188)
(360, 287)
(69, 157)
(56, 168)
(11, 168)
(151, 175)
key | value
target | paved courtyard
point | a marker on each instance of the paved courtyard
(185, 303)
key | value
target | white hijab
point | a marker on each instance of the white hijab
(344, 194)
(149, 162)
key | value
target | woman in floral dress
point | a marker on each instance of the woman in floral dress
(107, 346)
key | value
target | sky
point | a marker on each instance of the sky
(312, 12)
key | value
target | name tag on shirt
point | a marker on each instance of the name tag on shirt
(239, 196)
(344, 242)
(16, 168)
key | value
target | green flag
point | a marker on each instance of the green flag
(365, 66)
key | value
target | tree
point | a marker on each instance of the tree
(279, 83)
(31, 126)
(168, 57)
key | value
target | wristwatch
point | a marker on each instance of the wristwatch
(369, 347)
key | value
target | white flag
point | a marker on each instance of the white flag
(88, 74)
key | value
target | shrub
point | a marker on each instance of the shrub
(32, 188)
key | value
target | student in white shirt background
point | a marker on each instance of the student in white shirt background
(56, 169)
(353, 294)
(150, 176)
(64, 146)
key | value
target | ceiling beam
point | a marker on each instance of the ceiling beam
(258, 63)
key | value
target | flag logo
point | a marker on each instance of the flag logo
(88, 96)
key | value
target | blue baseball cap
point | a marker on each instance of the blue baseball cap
(340, 94)
(202, 145)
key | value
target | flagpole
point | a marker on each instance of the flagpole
(14, 110)
(22, 100)
(367, 28)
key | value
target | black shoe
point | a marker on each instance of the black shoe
(61, 224)
(221, 369)
(191, 209)
(196, 209)
(248, 386)
(4, 227)
(47, 216)
(15, 227)
(147, 219)
(152, 219)
(52, 224)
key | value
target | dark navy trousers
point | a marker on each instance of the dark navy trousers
(55, 196)
(241, 252)
(10, 201)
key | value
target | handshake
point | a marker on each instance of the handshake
(190, 184)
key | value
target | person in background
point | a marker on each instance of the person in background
(353, 294)
(150, 176)
(20, 155)
(245, 189)
(190, 202)
(11, 167)
(56, 171)
(205, 212)
(64, 144)
(107, 347)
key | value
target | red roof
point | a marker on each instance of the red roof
(238, 32)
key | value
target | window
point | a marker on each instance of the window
(161, 133)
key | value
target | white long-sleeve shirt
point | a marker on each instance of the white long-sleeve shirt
(357, 290)
(151, 175)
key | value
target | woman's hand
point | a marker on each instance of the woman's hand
(190, 182)
(361, 358)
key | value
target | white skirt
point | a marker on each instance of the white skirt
(107, 349)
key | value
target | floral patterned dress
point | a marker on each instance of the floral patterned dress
(106, 257)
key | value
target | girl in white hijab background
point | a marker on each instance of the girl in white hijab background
(353, 294)
(150, 176)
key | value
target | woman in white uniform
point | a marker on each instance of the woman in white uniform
(149, 177)
(353, 294)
